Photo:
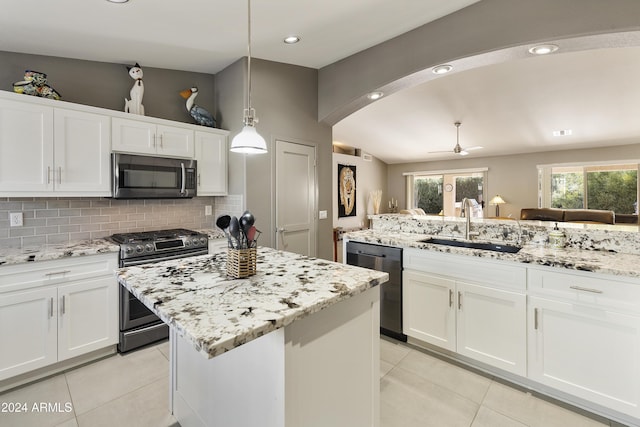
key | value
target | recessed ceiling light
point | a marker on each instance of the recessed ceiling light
(543, 49)
(117, 1)
(291, 39)
(563, 132)
(375, 95)
(442, 69)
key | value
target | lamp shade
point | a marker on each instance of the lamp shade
(248, 141)
(497, 200)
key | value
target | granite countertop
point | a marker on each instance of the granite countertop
(11, 256)
(195, 297)
(603, 262)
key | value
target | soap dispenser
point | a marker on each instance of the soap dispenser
(556, 237)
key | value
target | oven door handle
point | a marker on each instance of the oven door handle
(131, 263)
(184, 178)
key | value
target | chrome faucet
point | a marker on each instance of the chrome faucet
(465, 211)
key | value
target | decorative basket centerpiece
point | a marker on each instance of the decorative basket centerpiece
(241, 263)
(243, 242)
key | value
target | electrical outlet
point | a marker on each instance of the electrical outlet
(15, 219)
(322, 215)
(207, 210)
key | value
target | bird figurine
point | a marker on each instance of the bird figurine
(199, 114)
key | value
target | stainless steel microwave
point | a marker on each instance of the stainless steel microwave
(147, 177)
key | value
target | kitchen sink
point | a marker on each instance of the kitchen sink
(496, 247)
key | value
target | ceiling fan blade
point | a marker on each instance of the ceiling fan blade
(439, 152)
(463, 153)
(475, 147)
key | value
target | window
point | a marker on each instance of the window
(441, 192)
(595, 186)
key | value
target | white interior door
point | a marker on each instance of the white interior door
(295, 198)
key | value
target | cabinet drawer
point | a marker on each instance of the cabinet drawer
(503, 274)
(29, 275)
(584, 288)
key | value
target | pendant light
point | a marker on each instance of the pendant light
(249, 140)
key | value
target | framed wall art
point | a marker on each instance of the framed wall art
(346, 191)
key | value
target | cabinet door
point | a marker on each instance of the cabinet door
(81, 153)
(26, 147)
(211, 155)
(428, 309)
(28, 331)
(87, 316)
(586, 351)
(132, 136)
(492, 326)
(175, 142)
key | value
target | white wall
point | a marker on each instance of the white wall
(370, 176)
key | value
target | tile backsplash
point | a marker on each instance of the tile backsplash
(62, 220)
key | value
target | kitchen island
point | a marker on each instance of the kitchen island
(297, 344)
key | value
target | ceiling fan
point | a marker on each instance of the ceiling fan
(458, 149)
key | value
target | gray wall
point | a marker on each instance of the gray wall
(106, 85)
(285, 98)
(514, 177)
(483, 27)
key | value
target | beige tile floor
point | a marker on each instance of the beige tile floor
(416, 389)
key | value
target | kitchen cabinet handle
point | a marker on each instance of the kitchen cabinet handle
(64, 305)
(48, 174)
(459, 300)
(53, 273)
(161, 139)
(51, 307)
(198, 180)
(580, 288)
(450, 297)
(154, 140)
(59, 174)
(535, 319)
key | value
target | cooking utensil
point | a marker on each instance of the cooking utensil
(234, 230)
(246, 221)
(223, 222)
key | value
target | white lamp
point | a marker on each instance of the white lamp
(249, 140)
(497, 200)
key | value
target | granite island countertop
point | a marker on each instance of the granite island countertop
(10, 256)
(603, 262)
(216, 314)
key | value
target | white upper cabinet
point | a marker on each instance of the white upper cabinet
(211, 155)
(47, 151)
(81, 152)
(26, 148)
(141, 137)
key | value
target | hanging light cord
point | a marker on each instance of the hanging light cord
(249, 119)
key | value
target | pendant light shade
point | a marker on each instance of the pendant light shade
(249, 140)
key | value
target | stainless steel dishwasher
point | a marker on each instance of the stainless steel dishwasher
(389, 260)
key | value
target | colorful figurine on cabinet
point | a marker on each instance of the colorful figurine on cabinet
(199, 114)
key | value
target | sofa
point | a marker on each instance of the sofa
(576, 215)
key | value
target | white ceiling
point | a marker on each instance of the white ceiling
(208, 35)
(507, 107)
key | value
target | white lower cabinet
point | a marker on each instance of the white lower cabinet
(88, 316)
(52, 311)
(486, 322)
(28, 331)
(584, 338)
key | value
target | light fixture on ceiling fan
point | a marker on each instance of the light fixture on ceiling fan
(249, 140)
(458, 149)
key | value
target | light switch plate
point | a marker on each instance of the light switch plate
(207, 210)
(15, 219)
(322, 215)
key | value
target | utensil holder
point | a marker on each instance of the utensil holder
(241, 263)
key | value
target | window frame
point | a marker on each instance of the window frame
(545, 173)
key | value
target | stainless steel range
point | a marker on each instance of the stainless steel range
(138, 325)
